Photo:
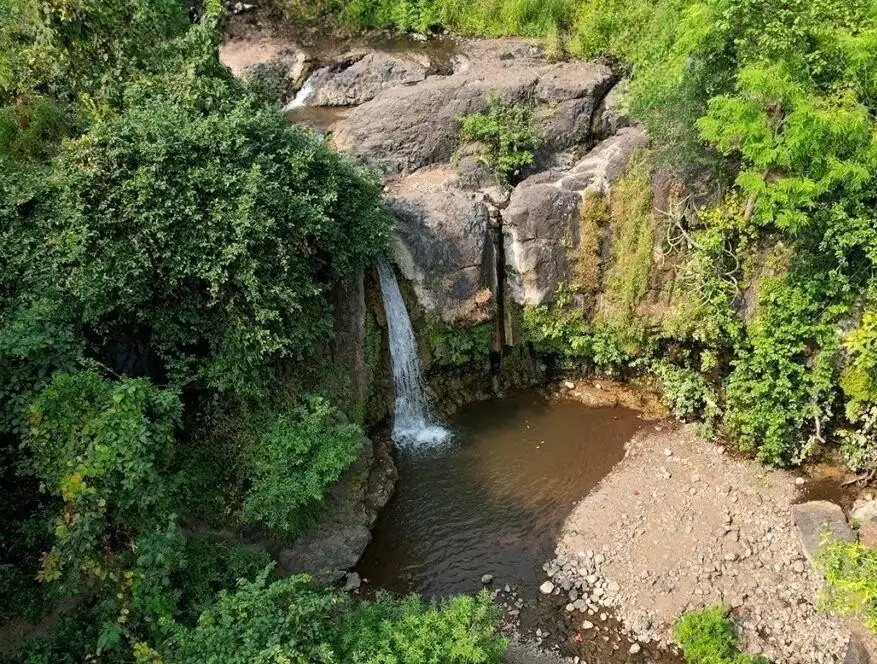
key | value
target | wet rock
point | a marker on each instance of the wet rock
(813, 518)
(486, 579)
(281, 66)
(359, 78)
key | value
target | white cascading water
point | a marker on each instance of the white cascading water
(413, 425)
(304, 94)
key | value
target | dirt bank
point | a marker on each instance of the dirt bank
(680, 525)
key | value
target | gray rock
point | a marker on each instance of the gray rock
(857, 652)
(361, 77)
(442, 246)
(281, 65)
(486, 579)
(405, 128)
(866, 515)
(541, 222)
(353, 582)
(814, 518)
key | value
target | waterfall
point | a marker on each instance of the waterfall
(413, 425)
(303, 96)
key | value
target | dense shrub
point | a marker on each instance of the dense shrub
(457, 347)
(210, 234)
(290, 620)
(508, 135)
(104, 449)
(297, 456)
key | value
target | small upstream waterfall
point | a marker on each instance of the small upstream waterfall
(303, 96)
(412, 423)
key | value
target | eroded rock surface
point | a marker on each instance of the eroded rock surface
(442, 245)
(541, 223)
(408, 128)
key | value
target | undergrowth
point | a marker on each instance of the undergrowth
(708, 637)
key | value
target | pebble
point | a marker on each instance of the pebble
(587, 624)
(634, 649)
(546, 588)
(486, 578)
(800, 481)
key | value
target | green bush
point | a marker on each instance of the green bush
(84, 50)
(508, 135)
(219, 231)
(456, 347)
(688, 395)
(708, 637)
(291, 621)
(210, 565)
(104, 449)
(851, 575)
(297, 457)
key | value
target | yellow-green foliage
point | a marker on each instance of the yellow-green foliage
(708, 637)
(851, 574)
(586, 273)
(859, 379)
(632, 242)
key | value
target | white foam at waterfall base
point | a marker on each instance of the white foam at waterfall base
(413, 423)
(303, 95)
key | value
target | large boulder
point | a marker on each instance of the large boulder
(281, 63)
(406, 128)
(817, 518)
(359, 78)
(541, 223)
(442, 245)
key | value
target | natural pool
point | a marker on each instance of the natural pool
(492, 500)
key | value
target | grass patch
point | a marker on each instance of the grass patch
(851, 574)
(708, 637)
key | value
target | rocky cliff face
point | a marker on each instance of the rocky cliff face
(469, 246)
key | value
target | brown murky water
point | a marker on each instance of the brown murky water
(320, 118)
(493, 501)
